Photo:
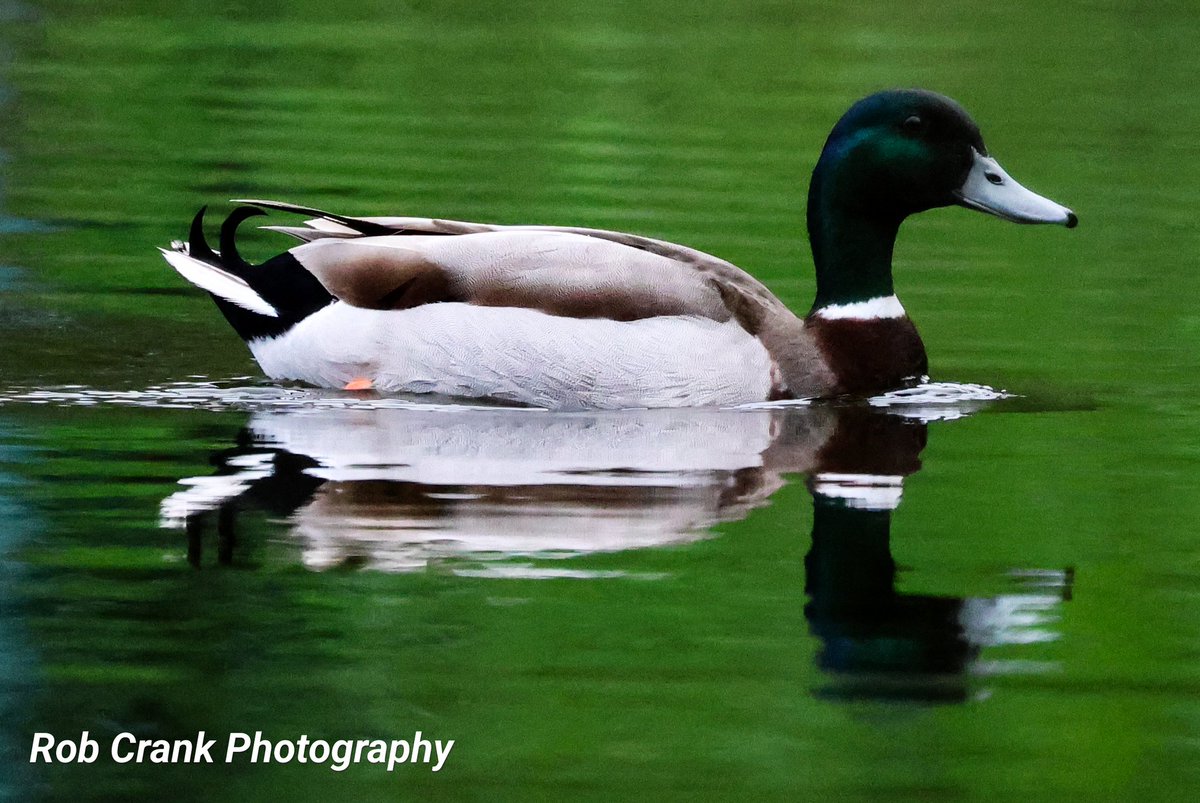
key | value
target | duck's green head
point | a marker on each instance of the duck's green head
(891, 155)
(907, 150)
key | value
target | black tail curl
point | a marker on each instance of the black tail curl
(281, 281)
(228, 257)
(197, 245)
(229, 252)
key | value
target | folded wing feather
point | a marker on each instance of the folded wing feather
(401, 262)
(560, 273)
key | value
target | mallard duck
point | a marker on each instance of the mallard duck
(583, 318)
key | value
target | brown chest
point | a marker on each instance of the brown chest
(869, 356)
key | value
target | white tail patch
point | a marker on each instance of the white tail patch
(233, 289)
(209, 493)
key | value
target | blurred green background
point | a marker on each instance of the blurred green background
(695, 122)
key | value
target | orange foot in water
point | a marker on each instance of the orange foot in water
(361, 383)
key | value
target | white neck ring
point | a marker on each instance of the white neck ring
(873, 309)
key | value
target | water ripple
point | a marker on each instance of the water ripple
(929, 401)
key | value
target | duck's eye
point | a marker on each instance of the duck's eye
(913, 124)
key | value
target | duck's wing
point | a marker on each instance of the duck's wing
(402, 262)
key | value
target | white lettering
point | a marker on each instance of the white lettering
(202, 747)
(114, 751)
(65, 751)
(337, 755)
(393, 759)
(282, 755)
(259, 741)
(442, 756)
(341, 754)
(324, 750)
(184, 747)
(44, 749)
(417, 744)
(378, 752)
(89, 749)
(238, 743)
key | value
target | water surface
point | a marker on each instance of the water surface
(959, 601)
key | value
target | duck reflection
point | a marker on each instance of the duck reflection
(396, 489)
(507, 492)
(878, 641)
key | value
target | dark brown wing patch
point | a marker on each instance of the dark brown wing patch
(612, 303)
(373, 278)
(383, 278)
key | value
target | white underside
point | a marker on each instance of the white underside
(872, 309)
(525, 356)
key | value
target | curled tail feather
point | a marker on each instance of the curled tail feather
(257, 300)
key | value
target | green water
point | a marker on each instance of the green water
(662, 605)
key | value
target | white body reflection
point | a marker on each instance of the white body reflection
(399, 488)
